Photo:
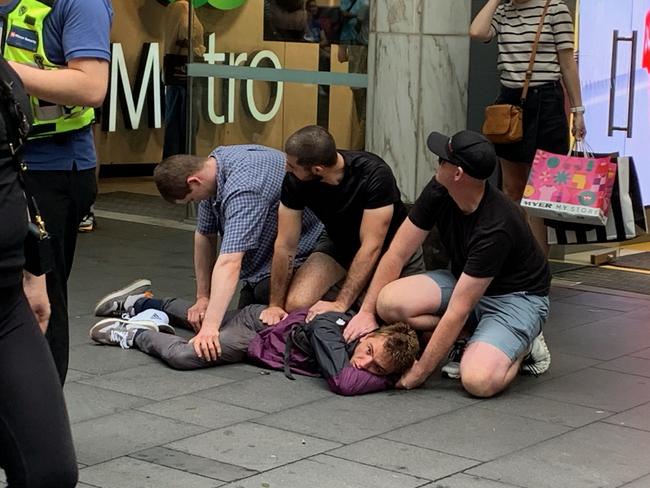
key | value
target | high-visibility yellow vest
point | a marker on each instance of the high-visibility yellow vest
(23, 42)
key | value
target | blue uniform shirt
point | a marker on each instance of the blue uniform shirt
(74, 29)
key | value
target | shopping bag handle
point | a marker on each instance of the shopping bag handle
(580, 145)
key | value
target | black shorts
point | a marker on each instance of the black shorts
(545, 122)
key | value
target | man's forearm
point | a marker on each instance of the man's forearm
(443, 337)
(224, 283)
(204, 259)
(65, 86)
(389, 269)
(358, 275)
(281, 274)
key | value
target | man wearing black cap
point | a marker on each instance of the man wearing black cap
(496, 292)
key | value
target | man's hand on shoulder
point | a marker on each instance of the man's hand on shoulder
(322, 306)
(361, 324)
(272, 315)
(196, 313)
(206, 343)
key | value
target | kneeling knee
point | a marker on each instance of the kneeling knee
(482, 384)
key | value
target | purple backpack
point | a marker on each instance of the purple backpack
(285, 347)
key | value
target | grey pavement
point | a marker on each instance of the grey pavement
(136, 423)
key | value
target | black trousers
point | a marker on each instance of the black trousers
(36, 447)
(63, 197)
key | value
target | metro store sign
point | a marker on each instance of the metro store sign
(220, 4)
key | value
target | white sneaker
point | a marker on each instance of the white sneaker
(452, 368)
(538, 359)
(159, 318)
(118, 332)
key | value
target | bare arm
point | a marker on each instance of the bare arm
(466, 294)
(480, 29)
(205, 251)
(224, 283)
(406, 241)
(569, 69)
(284, 254)
(83, 82)
(374, 226)
(36, 293)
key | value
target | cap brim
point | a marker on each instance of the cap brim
(438, 144)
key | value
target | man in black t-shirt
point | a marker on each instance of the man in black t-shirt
(499, 277)
(356, 197)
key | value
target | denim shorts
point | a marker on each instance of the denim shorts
(508, 322)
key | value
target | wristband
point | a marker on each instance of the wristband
(578, 110)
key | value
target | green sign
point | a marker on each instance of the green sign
(220, 4)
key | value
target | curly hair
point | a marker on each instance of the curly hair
(401, 345)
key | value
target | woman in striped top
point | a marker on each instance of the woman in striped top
(515, 25)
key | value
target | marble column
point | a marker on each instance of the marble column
(418, 68)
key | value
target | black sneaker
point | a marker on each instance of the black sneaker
(452, 368)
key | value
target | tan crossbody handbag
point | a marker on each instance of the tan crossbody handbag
(504, 123)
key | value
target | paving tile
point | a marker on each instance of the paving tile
(644, 353)
(545, 410)
(269, 393)
(568, 315)
(559, 292)
(561, 365)
(201, 411)
(327, 472)
(96, 359)
(79, 327)
(643, 482)
(202, 466)
(467, 481)
(611, 302)
(596, 388)
(476, 433)
(637, 418)
(403, 458)
(122, 433)
(156, 381)
(604, 340)
(350, 419)
(628, 364)
(86, 402)
(240, 371)
(133, 473)
(597, 455)
(252, 446)
(74, 375)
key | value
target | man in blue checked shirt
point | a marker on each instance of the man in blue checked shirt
(238, 188)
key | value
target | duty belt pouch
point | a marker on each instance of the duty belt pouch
(39, 245)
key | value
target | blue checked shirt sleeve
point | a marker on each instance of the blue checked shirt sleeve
(245, 214)
(206, 223)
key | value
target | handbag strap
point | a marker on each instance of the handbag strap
(531, 63)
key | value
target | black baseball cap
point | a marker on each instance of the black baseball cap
(468, 149)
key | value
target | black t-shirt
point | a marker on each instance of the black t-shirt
(367, 183)
(13, 209)
(493, 241)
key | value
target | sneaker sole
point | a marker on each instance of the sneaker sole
(103, 323)
(450, 376)
(138, 286)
